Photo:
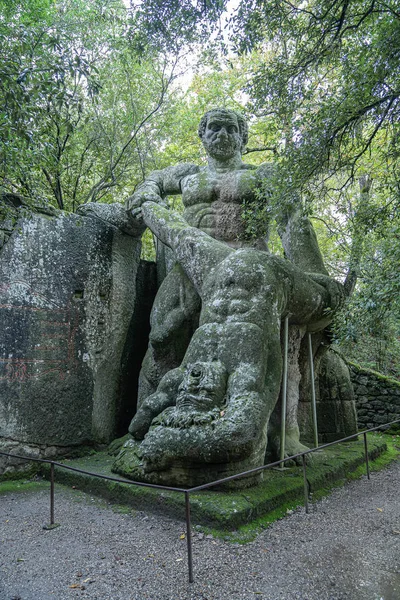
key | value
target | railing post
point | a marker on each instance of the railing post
(52, 524)
(51, 493)
(284, 390)
(305, 483)
(189, 537)
(366, 455)
(313, 399)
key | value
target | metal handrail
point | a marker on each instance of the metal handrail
(205, 486)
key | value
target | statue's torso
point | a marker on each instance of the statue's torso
(214, 202)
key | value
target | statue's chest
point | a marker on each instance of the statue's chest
(206, 187)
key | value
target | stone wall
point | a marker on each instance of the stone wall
(377, 397)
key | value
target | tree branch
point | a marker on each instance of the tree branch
(262, 149)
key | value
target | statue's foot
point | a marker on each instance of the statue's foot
(129, 461)
(117, 444)
(293, 446)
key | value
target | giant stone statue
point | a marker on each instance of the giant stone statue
(212, 373)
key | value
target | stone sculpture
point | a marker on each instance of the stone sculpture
(213, 198)
(209, 417)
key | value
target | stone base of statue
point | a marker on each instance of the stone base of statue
(184, 473)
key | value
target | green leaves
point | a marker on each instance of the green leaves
(76, 102)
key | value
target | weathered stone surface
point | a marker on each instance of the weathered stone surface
(12, 468)
(213, 198)
(336, 410)
(209, 417)
(262, 290)
(67, 297)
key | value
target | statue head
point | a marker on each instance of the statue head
(203, 386)
(223, 132)
(201, 395)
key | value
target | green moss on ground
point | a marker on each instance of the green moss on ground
(244, 511)
(12, 487)
(236, 515)
(24, 473)
(248, 532)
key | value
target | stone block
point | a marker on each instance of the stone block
(362, 400)
(67, 295)
(361, 390)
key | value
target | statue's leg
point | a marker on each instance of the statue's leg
(294, 375)
(311, 300)
(174, 318)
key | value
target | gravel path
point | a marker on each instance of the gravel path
(348, 548)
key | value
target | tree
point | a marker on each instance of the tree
(77, 100)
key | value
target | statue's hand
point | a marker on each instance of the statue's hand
(141, 422)
(134, 204)
(333, 287)
(135, 201)
(159, 449)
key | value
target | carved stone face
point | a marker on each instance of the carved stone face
(222, 138)
(203, 386)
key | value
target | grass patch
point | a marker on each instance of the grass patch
(16, 486)
(247, 533)
(235, 515)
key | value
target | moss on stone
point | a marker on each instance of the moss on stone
(21, 473)
(252, 508)
(360, 370)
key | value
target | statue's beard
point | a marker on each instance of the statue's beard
(185, 418)
(222, 149)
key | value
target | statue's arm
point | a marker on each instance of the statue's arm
(196, 251)
(295, 229)
(154, 405)
(160, 184)
(233, 436)
(300, 241)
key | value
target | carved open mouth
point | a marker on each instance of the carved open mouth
(194, 401)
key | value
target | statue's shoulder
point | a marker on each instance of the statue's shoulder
(247, 167)
(266, 170)
(263, 171)
(182, 170)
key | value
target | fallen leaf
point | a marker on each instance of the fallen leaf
(380, 509)
(75, 586)
(182, 537)
(20, 560)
